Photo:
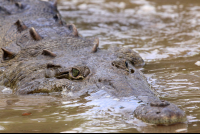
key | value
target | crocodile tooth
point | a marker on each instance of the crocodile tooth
(72, 28)
(96, 44)
(48, 53)
(19, 5)
(7, 54)
(20, 26)
(34, 34)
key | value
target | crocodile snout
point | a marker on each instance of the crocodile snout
(164, 113)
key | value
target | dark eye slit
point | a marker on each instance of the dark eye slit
(64, 73)
(126, 64)
(53, 66)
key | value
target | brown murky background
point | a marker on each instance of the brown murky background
(166, 33)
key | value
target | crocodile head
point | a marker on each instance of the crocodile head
(39, 64)
(54, 57)
(75, 66)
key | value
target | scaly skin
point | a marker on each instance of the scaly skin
(42, 54)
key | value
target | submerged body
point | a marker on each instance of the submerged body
(41, 53)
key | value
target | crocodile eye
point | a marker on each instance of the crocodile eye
(132, 71)
(78, 72)
(75, 72)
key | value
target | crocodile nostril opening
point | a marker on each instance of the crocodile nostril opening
(99, 80)
(113, 64)
(132, 71)
(157, 112)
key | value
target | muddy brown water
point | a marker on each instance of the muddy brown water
(166, 33)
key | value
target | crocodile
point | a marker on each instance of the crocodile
(42, 53)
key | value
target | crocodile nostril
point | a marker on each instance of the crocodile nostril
(160, 103)
(99, 80)
(157, 112)
(132, 71)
